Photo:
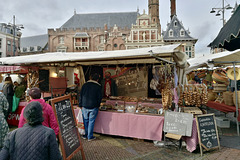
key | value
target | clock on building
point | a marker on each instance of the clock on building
(143, 22)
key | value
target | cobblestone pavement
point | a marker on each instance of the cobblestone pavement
(120, 148)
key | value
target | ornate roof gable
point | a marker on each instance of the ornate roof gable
(175, 31)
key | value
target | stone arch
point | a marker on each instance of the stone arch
(122, 47)
(109, 47)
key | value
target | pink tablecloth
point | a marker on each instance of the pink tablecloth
(137, 126)
(192, 141)
(129, 125)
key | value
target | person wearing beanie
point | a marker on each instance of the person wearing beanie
(33, 140)
(48, 113)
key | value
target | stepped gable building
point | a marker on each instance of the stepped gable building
(176, 33)
(145, 33)
(147, 30)
(34, 44)
(92, 32)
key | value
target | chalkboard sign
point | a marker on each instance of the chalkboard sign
(69, 136)
(207, 132)
(178, 123)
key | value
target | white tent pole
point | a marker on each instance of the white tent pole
(235, 85)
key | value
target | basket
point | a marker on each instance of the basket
(212, 95)
(228, 98)
(219, 87)
(238, 97)
(201, 74)
(220, 76)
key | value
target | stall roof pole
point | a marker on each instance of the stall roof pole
(236, 94)
(235, 85)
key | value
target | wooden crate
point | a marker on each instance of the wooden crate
(194, 110)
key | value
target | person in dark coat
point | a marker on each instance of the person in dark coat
(90, 99)
(33, 140)
(109, 87)
(9, 93)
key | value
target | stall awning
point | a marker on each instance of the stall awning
(143, 55)
(13, 69)
(229, 36)
(202, 61)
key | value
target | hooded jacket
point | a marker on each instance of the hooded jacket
(48, 115)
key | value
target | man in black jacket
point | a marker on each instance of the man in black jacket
(90, 99)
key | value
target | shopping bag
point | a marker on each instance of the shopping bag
(80, 124)
(15, 103)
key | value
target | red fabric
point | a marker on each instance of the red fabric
(223, 107)
(48, 115)
(107, 81)
(13, 118)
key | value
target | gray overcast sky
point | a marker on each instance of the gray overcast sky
(39, 15)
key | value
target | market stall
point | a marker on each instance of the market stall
(220, 61)
(131, 66)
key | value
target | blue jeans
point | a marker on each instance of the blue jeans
(89, 116)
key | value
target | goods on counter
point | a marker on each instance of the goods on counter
(130, 99)
(146, 109)
(130, 108)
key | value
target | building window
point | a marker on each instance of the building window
(0, 42)
(115, 45)
(61, 50)
(171, 33)
(61, 40)
(102, 39)
(182, 33)
(9, 46)
(188, 51)
(175, 23)
(0, 54)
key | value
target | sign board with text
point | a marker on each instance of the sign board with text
(207, 132)
(68, 132)
(178, 123)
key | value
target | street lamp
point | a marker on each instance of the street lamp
(16, 27)
(222, 9)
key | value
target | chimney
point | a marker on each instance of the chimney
(173, 8)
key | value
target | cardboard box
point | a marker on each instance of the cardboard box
(222, 122)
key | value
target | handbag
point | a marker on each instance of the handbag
(80, 123)
(16, 101)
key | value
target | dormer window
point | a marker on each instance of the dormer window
(170, 33)
(175, 23)
(182, 33)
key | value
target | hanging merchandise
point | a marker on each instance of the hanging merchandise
(193, 95)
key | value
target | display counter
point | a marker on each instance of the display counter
(137, 126)
(223, 107)
(13, 118)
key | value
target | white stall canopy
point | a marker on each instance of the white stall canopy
(203, 61)
(134, 56)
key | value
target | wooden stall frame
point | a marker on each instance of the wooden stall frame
(53, 101)
(199, 136)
